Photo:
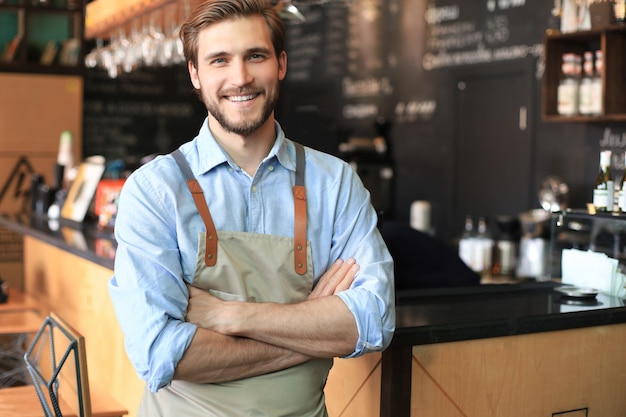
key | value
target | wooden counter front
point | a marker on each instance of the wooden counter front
(76, 289)
(543, 374)
(540, 374)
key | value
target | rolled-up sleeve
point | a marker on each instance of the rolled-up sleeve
(371, 298)
(147, 290)
(373, 307)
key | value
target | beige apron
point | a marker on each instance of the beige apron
(240, 266)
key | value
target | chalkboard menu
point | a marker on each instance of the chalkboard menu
(148, 111)
(340, 59)
(383, 58)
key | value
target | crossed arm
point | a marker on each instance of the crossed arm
(237, 340)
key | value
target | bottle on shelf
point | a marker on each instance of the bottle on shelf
(596, 90)
(619, 11)
(621, 200)
(508, 233)
(586, 85)
(604, 190)
(484, 248)
(568, 89)
(63, 176)
(65, 157)
(467, 242)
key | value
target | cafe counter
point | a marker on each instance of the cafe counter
(516, 349)
(66, 269)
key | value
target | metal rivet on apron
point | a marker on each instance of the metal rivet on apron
(210, 237)
(210, 256)
(299, 247)
(299, 264)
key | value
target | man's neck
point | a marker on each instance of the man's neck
(246, 151)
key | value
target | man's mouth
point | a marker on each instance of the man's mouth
(239, 99)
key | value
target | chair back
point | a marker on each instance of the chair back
(56, 361)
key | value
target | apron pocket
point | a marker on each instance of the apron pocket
(226, 296)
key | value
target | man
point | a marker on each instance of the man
(234, 302)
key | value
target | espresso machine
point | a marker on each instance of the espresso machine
(534, 255)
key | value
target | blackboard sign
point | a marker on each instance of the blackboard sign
(384, 58)
(148, 111)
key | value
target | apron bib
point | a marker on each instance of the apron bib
(255, 268)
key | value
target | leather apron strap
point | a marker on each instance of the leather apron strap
(300, 214)
(210, 255)
(299, 201)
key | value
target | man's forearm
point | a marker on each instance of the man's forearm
(322, 327)
(213, 358)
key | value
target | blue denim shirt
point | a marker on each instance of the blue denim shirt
(156, 257)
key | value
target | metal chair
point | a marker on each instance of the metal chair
(57, 362)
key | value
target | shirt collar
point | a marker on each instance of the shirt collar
(211, 154)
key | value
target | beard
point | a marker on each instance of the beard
(243, 127)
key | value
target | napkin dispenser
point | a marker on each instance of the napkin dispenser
(589, 269)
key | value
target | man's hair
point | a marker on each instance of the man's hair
(215, 11)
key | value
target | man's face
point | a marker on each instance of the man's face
(238, 74)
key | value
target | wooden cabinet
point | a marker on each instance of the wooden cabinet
(566, 373)
(41, 36)
(612, 42)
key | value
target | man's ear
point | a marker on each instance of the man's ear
(282, 65)
(193, 74)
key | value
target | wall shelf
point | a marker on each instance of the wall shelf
(612, 42)
(42, 38)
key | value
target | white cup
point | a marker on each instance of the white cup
(420, 216)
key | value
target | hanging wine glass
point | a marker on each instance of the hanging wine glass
(133, 55)
(94, 58)
(167, 46)
(120, 48)
(151, 41)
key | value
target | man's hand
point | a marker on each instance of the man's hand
(338, 278)
(203, 306)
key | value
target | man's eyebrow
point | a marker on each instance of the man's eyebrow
(250, 51)
(259, 49)
(212, 55)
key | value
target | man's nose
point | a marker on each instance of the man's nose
(241, 74)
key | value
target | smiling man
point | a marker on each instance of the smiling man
(245, 261)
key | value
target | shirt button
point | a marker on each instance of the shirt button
(254, 189)
(271, 168)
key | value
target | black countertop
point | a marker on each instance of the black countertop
(82, 239)
(423, 316)
(454, 314)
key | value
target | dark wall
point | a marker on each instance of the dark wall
(418, 63)
(415, 63)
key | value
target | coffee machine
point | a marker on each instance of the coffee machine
(534, 256)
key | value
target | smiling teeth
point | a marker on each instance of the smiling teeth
(241, 98)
